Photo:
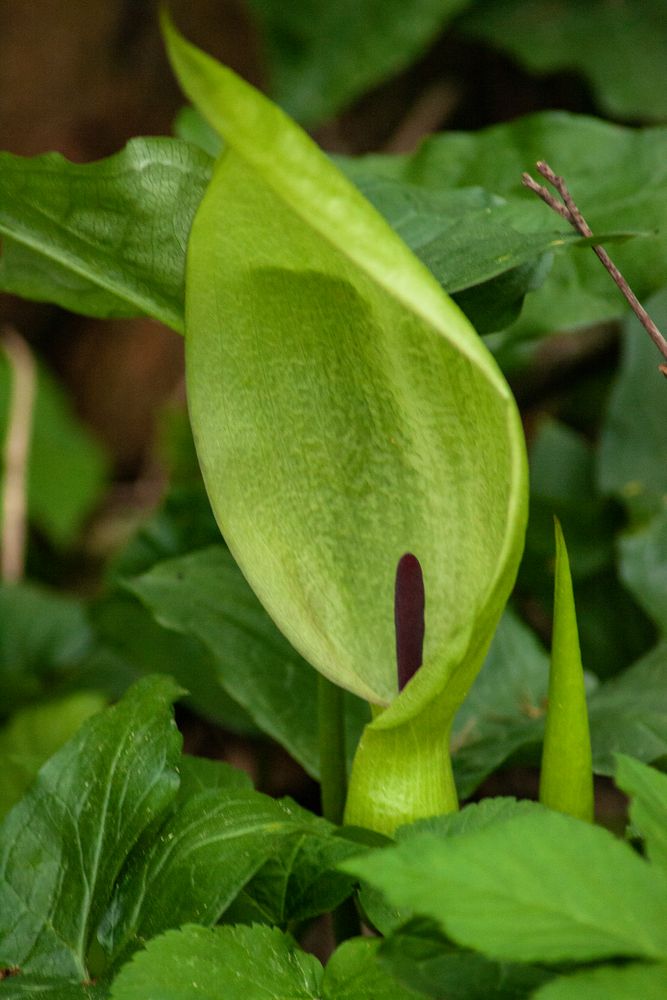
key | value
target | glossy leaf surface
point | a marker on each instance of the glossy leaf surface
(64, 844)
(107, 238)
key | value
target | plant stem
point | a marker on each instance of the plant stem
(15, 455)
(568, 210)
(333, 775)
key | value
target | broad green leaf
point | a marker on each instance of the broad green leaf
(63, 846)
(647, 789)
(195, 864)
(566, 776)
(505, 707)
(323, 56)
(223, 963)
(352, 400)
(421, 957)
(104, 239)
(628, 982)
(628, 714)
(620, 48)
(617, 176)
(537, 887)
(33, 734)
(237, 963)
(204, 597)
(49, 988)
(66, 466)
(633, 447)
(474, 816)
(44, 636)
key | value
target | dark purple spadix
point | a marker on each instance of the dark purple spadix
(408, 617)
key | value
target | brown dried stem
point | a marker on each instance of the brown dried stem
(568, 210)
(15, 455)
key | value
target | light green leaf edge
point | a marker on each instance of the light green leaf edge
(267, 144)
(566, 777)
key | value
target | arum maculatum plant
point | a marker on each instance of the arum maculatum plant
(362, 451)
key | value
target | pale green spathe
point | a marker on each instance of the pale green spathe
(345, 412)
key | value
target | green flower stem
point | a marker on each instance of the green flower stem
(333, 777)
(402, 773)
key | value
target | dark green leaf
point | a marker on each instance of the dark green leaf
(63, 845)
(107, 238)
(204, 596)
(474, 242)
(537, 887)
(647, 789)
(643, 566)
(324, 56)
(224, 963)
(195, 864)
(620, 48)
(617, 176)
(301, 879)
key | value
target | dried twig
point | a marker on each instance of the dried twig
(567, 208)
(15, 455)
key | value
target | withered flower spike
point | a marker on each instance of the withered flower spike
(408, 617)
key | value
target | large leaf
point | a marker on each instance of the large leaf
(63, 845)
(195, 864)
(107, 238)
(322, 56)
(618, 176)
(621, 48)
(536, 887)
(204, 597)
(66, 466)
(237, 963)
